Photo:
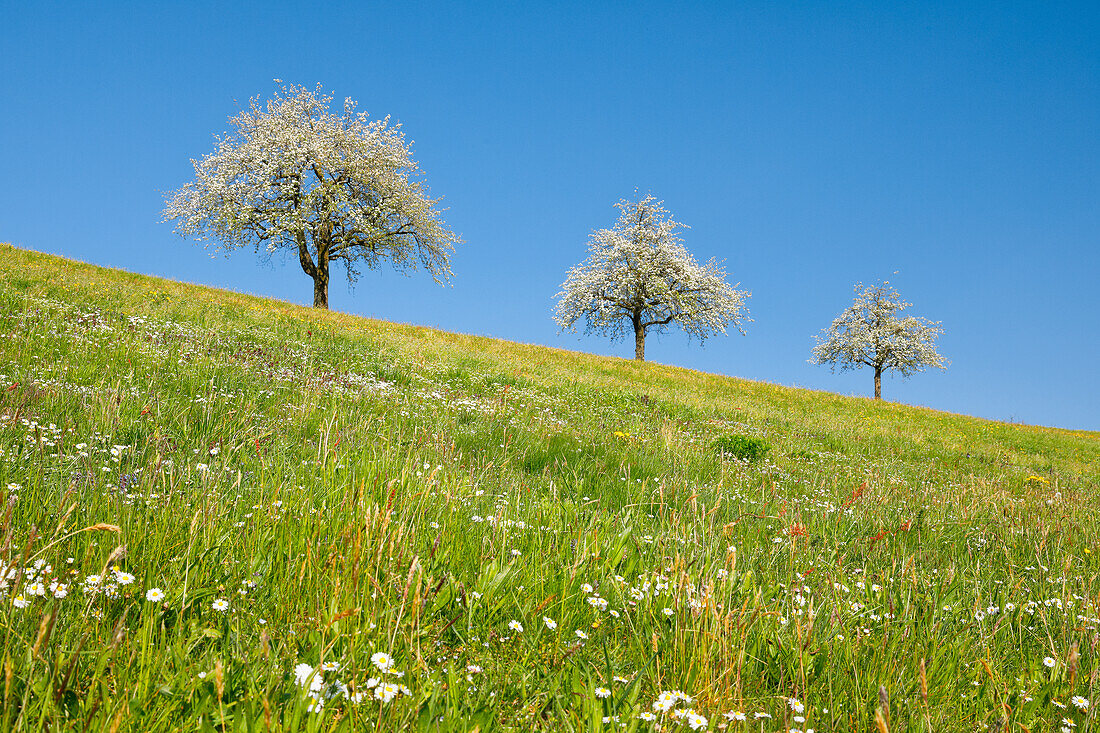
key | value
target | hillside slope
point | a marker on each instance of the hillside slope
(208, 490)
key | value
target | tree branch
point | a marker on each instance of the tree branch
(304, 257)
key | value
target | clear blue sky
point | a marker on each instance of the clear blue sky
(807, 145)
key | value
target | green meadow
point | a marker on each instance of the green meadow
(228, 513)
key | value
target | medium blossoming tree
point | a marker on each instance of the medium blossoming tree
(872, 333)
(639, 275)
(330, 186)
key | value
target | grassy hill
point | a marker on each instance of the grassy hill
(228, 513)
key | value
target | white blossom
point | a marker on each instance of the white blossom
(327, 186)
(871, 333)
(639, 274)
(383, 661)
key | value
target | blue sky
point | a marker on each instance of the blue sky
(951, 148)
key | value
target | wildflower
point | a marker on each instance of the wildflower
(1049, 662)
(36, 588)
(668, 612)
(123, 578)
(307, 676)
(316, 704)
(386, 691)
(580, 634)
(515, 626)
(696, 721)
(602, 692)
(60, 590)
(550, 623)
(20, 601)
(220, 605)
(796, 705)
(330, 666)
(302, 673)
(1081, 703)
(646, 715)
(664, 701)
(734, 715)
(383, 661)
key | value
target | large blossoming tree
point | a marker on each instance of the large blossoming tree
(638, 275)
(872, 333)
(330, 186)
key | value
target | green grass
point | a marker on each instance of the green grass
(351, 487)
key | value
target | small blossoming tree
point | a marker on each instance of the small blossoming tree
(872, 333)
(639, 274)
(329, 186)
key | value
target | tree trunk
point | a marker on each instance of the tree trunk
(318, 272)
(320, 284)
(639, 342)
(878, 383)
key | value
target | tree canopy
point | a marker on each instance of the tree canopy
(639, 275)
(872, 333)
(329, 186)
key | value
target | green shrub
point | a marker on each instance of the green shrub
(742, 447)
